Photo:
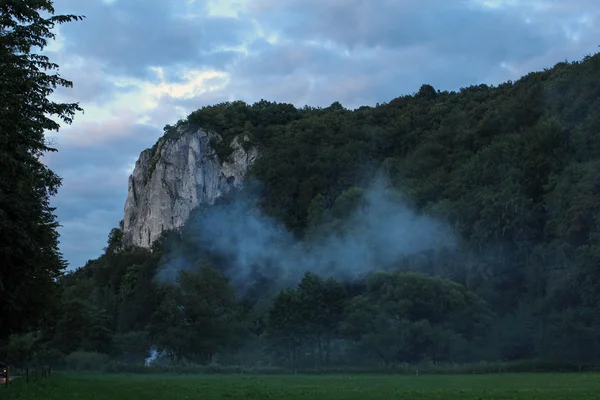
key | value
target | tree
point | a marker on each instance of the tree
(307, 317)
(198, 317)
(285, 326)
(115, 240)
(410, 317)
(30, 261)
(82, 326)
(132, 346)
(322, 306)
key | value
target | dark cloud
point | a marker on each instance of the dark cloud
(130, 36)
(448, 27)
(84, 239)
(90, 84)
(362, 52)
(373, 76)
(374, 50)
(273, 61)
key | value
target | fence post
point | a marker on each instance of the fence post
(27, 374)
(7, 377)
(36, 368)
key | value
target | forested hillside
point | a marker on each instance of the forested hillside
(512, 172)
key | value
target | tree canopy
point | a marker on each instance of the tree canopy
(30, 261)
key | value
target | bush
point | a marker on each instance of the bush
(50, 357)
(429, 368)
(221, 147)
(86, 361)
(132, 347)
(20, 348)
(189, 368)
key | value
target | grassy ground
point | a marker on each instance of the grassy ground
(330, 387)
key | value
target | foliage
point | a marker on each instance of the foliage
(408, 317)
(132, 347)
(307, 317)
(86, 361)
(196, 318)
(21, 348)
(30, 261)
(513, 169)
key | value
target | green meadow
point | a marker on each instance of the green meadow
(63, 386)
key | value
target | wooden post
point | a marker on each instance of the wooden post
(6, 378)
(27, 375)
(49, 370)
(43, 372)
(36, 368)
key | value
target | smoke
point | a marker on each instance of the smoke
(153, 356)
(380, 232)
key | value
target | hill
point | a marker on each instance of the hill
(508, 176)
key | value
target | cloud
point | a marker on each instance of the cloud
(138, 65)
(447, 27)
(91, 85)
(131, 36)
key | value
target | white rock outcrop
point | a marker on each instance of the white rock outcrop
(174, 177)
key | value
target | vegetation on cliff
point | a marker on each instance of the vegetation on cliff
(512, 169)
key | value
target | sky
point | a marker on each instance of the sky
(138, 65)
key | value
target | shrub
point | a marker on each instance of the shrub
(86, 361)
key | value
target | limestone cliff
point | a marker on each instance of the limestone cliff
(174, 177)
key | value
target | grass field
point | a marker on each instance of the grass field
(167, 387)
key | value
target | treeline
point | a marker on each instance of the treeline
(514, 169)
(115, 308)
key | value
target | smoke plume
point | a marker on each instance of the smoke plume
(381, 232)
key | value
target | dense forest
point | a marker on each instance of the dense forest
(510, 172)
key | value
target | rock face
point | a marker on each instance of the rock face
(174, 177)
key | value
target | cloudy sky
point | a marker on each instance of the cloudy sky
(138, 65)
